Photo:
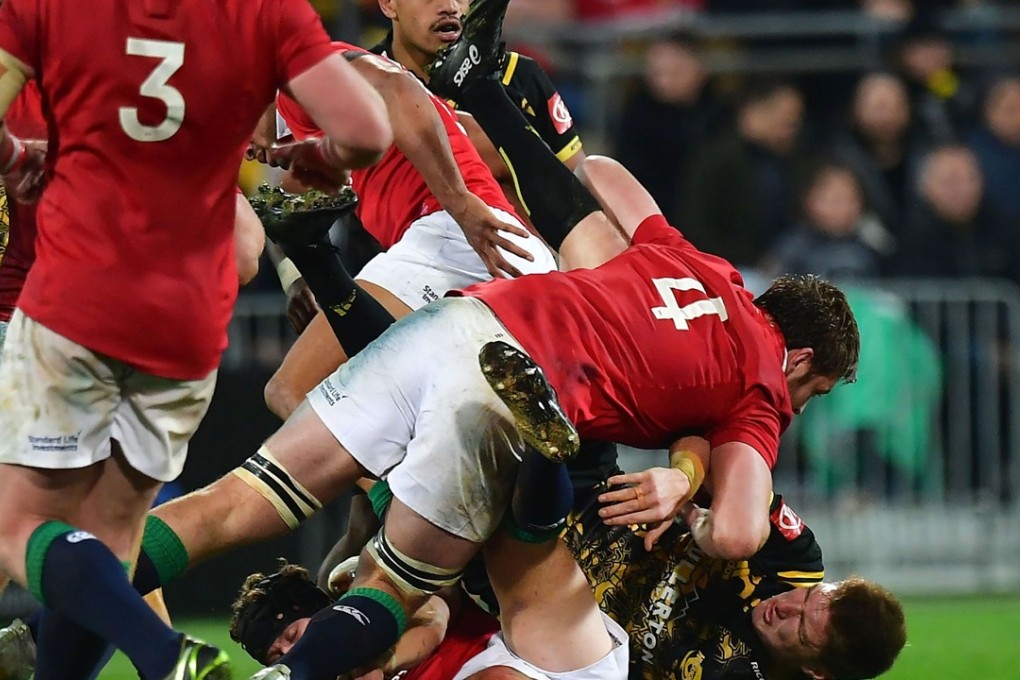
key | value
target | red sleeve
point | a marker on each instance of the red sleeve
(754, 422)
(298, 121)
(655, 229)
(301, 41)
(19, 34)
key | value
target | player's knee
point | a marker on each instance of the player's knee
(415, 580)
(280, 397)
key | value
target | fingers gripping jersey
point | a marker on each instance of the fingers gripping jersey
(392, 193)
(151, 104)
(661, 341)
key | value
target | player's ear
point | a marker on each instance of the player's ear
(387, 9)
(815, 673)
(799, 362)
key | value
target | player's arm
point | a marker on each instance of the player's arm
(249, 240)
(656, 496)
(737, 524)
(622, 197)
(21, 164)
(420, 135)
(347, 109)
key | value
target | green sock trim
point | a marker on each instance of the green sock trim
(35, 554)
(519, 533)
(165, 549)
(127, 567)
(380, 496)
(386, 600)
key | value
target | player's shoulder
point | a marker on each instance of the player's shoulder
(521, 70)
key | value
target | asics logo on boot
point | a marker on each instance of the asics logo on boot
(472, 59)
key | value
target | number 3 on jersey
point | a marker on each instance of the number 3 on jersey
(155, 86)
(681, 314)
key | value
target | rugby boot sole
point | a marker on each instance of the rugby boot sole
(523, 387)
(478, 53)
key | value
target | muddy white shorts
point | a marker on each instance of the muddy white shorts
(434, 257)
(613, 666)
(60, 404)
(414, 409)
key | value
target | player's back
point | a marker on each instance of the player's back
(151, 103)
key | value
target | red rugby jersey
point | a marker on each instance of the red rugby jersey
(392, 193)
(17, 239)
(151, 104)
(660, 341)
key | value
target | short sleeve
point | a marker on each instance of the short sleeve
(655, 229)
(301, 41)
(19, 30)
(754, 422)
(544, 104)
(298, 121)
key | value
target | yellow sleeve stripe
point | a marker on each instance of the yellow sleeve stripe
(570, 150)
(511, 66)
(802, 575)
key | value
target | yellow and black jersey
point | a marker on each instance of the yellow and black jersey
(530, 87)
(688, 615)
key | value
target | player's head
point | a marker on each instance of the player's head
(272, 612)
(822, 340)
(849, 630)
(423, 27)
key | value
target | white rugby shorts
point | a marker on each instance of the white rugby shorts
(613, 666)
(434, 257)
(414, 409)
(60, 404)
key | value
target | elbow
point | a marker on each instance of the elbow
(738, 540)
(280, 397)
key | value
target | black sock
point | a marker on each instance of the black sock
(76, 575)
(355, 316)
(359, 627)
(553, 197)
(542, 498)
(81, 651)
(146, 578)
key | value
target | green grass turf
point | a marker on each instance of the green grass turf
(957, 638)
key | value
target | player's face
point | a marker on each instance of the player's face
(425, 26)
(793, 626)
(287, 639)
(811, 385)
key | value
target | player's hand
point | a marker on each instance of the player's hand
(309, 162)
(25, 184)
(484, 232)
(652, 497)
(301, 306)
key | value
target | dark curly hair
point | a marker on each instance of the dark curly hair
(866, 630)
(813, 313)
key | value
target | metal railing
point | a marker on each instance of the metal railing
(912, 475)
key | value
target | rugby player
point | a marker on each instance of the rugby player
(661, 340)
(103, 384)
(686, 614)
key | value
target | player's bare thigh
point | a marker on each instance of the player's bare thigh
(592, 242)
(549, 615)
(230, 512)
(316, 354)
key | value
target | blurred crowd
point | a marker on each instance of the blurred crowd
(916, 175)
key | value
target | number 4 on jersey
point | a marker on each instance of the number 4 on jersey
(155, 86)
(681, 314)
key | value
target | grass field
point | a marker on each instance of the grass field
(950, 639)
